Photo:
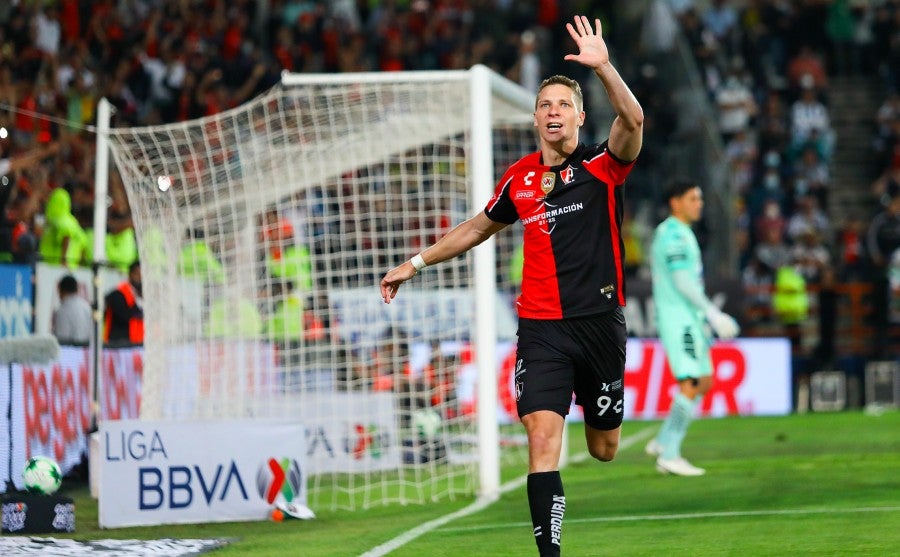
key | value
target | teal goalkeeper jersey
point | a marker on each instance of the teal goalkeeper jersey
(674, 248)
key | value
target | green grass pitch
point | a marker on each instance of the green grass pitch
(823, 484)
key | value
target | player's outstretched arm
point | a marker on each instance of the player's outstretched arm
(460, 239)
(626, 133)
(722, 324)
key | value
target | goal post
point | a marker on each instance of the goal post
(263, 232)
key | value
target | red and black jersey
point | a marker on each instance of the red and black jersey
(572, 215)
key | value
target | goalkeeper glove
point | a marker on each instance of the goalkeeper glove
(722, 324)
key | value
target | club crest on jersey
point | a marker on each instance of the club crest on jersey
(548, 180)
(567, 175)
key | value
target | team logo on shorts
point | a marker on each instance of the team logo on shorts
(517, 376)
(548, 180)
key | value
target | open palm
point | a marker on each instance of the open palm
(592, 51)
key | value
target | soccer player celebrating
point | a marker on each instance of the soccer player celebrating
(681, 309)
(568, 196)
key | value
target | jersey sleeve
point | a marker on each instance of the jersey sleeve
(501, 207)
(675, 251)
(608, 167)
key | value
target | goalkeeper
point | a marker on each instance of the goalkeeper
(681, 308)
(568, 196)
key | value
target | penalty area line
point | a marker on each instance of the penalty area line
(482, 503)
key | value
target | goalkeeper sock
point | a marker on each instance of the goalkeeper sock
(680, 417)
(548, 505)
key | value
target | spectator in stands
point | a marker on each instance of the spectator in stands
(743, 235)
(811, 176)
(768, 187)
(851, 255)
(808, 218)
(704, 47)
(887, 185)
(742, 154)
(771, 250)
(757, 279)
(528, 69)
(773, 125)
(18, 241)
(810, 255)
(62, 240)
(806, 70)
(770, 221)
(887, 131)
(388, 364)
(124, 314)
(735, 101)
(810, 123)
(882, 240)
(721, 18)
(73, 320)
(47, 30)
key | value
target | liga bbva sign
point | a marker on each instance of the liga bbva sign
(171, 472)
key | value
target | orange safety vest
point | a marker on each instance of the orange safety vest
(135, 321)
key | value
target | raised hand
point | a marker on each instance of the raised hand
(592, 51)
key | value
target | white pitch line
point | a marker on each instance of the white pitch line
(482, 503)
(686, 516)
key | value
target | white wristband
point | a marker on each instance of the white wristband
(418, 262)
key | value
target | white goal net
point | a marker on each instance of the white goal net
(263, 233)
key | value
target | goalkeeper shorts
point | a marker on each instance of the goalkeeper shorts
(582, 355)
(687, 349)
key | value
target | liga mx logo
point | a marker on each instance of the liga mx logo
(276, 477)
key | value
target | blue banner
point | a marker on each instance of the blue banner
(16, 308)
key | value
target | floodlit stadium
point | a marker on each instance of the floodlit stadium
(200, 199)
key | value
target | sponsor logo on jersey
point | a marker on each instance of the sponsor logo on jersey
(547, 219)
(520, 385)
(525, 194)
(608, 291)
(614, 386)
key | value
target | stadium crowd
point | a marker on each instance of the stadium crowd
(766, 66)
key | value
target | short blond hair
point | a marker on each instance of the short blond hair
(568, 82)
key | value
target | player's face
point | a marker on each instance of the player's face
(689, 206)
(557, 116)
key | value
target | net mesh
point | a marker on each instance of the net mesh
(263, 233)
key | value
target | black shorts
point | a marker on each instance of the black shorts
(585, 356)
